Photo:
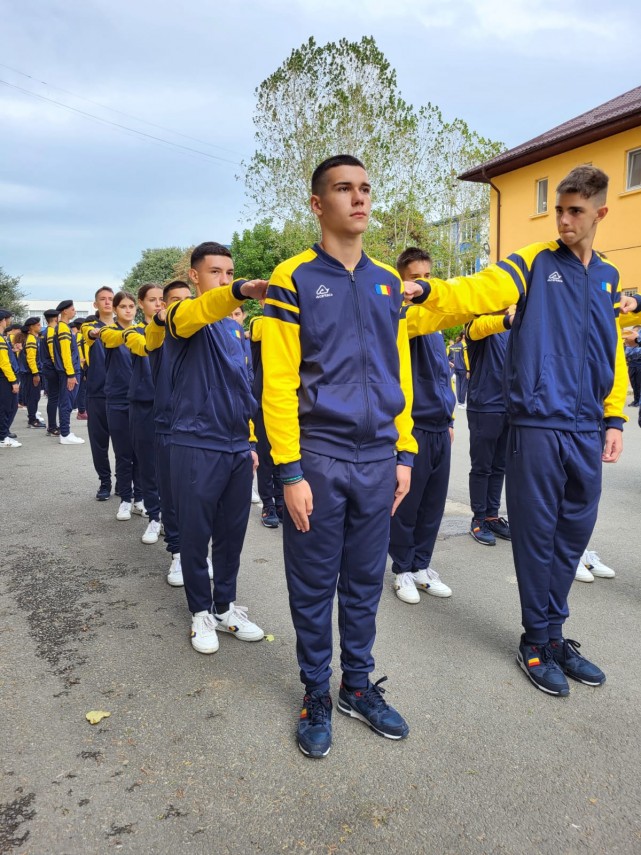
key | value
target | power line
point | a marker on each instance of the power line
(113, 110)
(119, 126)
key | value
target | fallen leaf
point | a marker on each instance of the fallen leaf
(269, 638)
(96, 716)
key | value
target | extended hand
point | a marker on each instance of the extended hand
(300, 503)
(403, 480)
(628, 304)
(411, 290)
(255, 289)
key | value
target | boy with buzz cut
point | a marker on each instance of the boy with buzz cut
(337, 408)
(414, 526)
(565, 412)
(212, 461)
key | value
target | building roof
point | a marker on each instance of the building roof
(613, 117)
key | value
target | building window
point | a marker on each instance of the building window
(467, 231)
(634, 169)
(542, 196)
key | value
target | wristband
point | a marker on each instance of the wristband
(289, 481)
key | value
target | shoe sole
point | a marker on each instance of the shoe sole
(435, 593)
(176, 584)
(260, 637)
(407, 602)
(205, 652)
(316, 755)
(603, 575)
(502, 536)
(480, 541)
(123, 519)
(268, 525)
(523, 667)
(103, 498)
(352, 713)
(587, 581)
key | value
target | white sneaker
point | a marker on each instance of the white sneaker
(405, 588)
(124, 511)
(594, 564)
(139, 508)
(429, 581)
(203, 633)
(10, 443)
(462, 406)
(210, 570)
(71, 439)
(152, 532)
(175, 575)
(237, 623)
(583, 574)
(255, 497)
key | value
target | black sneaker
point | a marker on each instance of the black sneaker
(500, 527)
(12, 435)
(104, 492)
(368, 705)
(268, 517)
(314, 730)
(53, 431)
(35, 424)
(566, 655)
(481, 533)
(540, 666)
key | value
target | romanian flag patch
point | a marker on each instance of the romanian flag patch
(606, 286)
(385, 290)
(532, 663)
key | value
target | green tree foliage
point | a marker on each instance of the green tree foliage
(155, 265)
(10, 294)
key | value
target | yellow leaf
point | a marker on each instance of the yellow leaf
(96, 716)
(269, 638)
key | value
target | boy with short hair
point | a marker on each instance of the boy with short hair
(9, 385)
(47, 359)
(67, 362)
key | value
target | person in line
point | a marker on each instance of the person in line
(30, 371)
(414, 526)
(49, 373)
(81, 388)
(67, 362)
(212, 460)
(9, 385)
(461, 366)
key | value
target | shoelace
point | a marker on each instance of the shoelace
(209, 622)
(570, 642)
(318, 706)
(432, 575)
(592, 558)
(238, 612)
(374, 694)
(406, 580)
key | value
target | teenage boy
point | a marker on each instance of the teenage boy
(49, 373)
(458, 355)
(566, 412)
(67, 362)
(212, 462)
(9, 385)
(97, 426)
(32, 376)
(80, 401)
(487, 339)
(337, 404)
(414, 526)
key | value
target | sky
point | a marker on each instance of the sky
(80, 199)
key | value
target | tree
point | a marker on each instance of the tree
(155, 265)
(10, 294)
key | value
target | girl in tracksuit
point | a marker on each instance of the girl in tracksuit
(141, 402)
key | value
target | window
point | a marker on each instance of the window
(634, 169)
(542, 196)
(467, 231)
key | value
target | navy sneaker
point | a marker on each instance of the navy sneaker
(368, 705)
(104, 492)
(566, 655)
(540, 666)
(499, 526)
(481, 533)
(268, 517)
(315, 724)
(280, 510)
(53, 431)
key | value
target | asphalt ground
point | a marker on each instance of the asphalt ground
(199, 753)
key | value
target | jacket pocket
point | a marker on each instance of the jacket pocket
(556, 389)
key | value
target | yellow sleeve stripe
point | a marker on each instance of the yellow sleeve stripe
(280, 305)
(518, 270)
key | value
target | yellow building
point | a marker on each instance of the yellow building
(523, 182)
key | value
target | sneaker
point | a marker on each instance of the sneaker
(429, 581)
(124, 511)
(36, 424)
(82, 417)
(152, 533)
(582, 573)
(53, 431)
(314, 731)
(566, 655)
(462, 406)
(269, 517)
(280, 511)
(203, 633)
(369, 706)
(71, 439)
(237, 623)
(175, 575)
(594, 564)
(10, 443)
(12, 435)
(541, 668)
(481, 533)
(210, 570)
(104, 493)
(405, 589)
(255, 497)
(499, 526)
(139, 508)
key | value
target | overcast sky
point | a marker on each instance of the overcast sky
(80, 199)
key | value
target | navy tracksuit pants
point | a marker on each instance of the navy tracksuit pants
(143, 441)
(415, 524)
(553, 486)
(53, 397)
(163, 477)
(81, 398)
(270, 488)
(126, 463)
(212, 496)
(66, 401)
(634, 373)
(98, 430)
(488, 446)
(345, 550)
(462, 382)
(31, 395)
(8, 407)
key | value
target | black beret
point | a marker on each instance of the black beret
(66, 304)
(51, 313)
(4, 314)
(31, 321)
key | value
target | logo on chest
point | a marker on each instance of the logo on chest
(323, 291)
(555, 277)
